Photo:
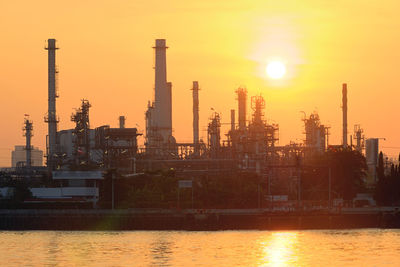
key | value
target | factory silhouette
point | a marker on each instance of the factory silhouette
(80, 160)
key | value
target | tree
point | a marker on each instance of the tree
(21, 192)
(387, 190)
(348, 169)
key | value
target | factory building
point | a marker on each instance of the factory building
(253, 143)
(100, 148)
(86, 149)
(18, 157)
(316, 135)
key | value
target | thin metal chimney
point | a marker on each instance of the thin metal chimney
(121, 122)
(28, 128)
(195, 90)
(242, 105)
(232, 120)
(51, 117)
(344, 109)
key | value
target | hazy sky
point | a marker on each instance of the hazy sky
(106, 57)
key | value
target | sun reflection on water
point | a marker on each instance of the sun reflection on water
(279, 249)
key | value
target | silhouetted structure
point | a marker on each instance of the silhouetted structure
(51, 117)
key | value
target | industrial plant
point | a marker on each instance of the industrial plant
(79, 159)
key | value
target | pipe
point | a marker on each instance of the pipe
(28, 148)
(195, 93)
(232, 120)
(121, 122)
(51, 118)
(344, 109)
(242, 98)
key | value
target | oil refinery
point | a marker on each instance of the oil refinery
(77, 159)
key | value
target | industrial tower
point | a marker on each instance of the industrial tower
(195, 90)
(242, 107)
(159, 139)
(51, 117)
(28, 133)
(344, 108)
(163, 96)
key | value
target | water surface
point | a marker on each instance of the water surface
(367, 247)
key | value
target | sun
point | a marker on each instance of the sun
(276, 69)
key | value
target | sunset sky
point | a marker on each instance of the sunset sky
(106, 56)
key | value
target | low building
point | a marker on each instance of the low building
(18, 156)
(371, 155)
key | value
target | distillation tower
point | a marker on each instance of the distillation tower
(51, 117)
(344, 108)
(195, 90)
(28, 133)
(159, 139)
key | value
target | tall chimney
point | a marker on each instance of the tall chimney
(232, 120)
(28, 134)
(344, 107)
(242, 99)
(121, 122)
(163, 94)
(51, 117)
(195, 90)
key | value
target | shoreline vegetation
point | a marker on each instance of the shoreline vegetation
(222, 201)
(194, 219)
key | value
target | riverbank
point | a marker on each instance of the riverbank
(163, 219)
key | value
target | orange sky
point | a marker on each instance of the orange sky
(106, 57)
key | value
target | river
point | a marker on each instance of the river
(366, 247)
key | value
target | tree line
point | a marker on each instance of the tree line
(387, 191)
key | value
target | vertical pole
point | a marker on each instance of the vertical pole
(28, 133)
(51, 118)
(330, 187)
(298, 169)
(299, 184)
(344, 108)
(242, 98)
(94, 195)
(258, 192)
(192, 196)
(134, 165)
(179, 197)
(269, 189)
(112, 191)
(196, 117)
(232, 120)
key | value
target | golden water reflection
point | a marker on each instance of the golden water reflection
(367, 247)
(279, 249)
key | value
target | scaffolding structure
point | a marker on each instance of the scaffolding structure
(82, 134)
(359, 138)
(28, 133)
(316, 135)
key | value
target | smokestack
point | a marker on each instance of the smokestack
(28, 148)
(242, 104)
(232, 120)
(195, 90)
(344, 107)
(121, 122)
(51, 117)
(163, 94)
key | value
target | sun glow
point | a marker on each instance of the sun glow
(276, 69)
